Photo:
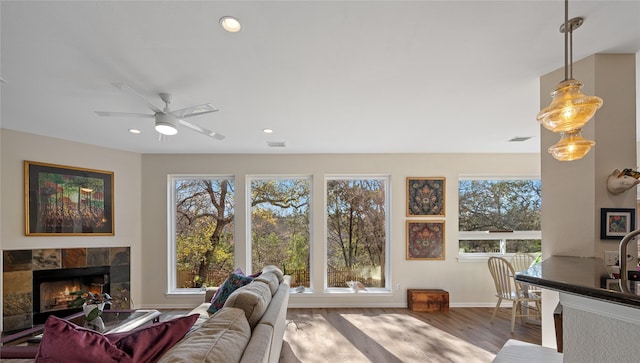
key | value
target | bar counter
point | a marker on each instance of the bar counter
(580, 276)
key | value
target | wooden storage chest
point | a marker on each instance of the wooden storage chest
(427, 300)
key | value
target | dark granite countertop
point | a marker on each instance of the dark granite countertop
(576, 275)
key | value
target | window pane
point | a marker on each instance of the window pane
(486, 205)
(280, 226)
(356, 231)
(203, 217)
(524, 245)
(479, 246)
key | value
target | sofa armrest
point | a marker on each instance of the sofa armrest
(209, 294)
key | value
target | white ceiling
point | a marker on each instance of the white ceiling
(327, 76)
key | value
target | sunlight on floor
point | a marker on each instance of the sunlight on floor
(389, 338)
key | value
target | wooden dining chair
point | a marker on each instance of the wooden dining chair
(507, 288)
(522, 261)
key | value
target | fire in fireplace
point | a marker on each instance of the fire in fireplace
(52, 288)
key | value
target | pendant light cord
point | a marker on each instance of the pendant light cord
(566, 42)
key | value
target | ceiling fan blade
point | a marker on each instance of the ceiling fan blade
(123, 114)
(201, 130)
(194, 111)
(125, 87)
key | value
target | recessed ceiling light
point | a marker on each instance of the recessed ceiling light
(135, 131)
(267, 131)
(230, 24)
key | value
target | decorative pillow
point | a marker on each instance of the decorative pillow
(149, 343)
(231, 284)
(237, 271)
(64, 341)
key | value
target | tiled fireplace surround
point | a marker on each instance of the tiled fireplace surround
(18, 267)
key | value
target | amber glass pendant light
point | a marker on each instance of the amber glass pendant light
(572, 146)
(570, 109)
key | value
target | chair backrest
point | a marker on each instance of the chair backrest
(522, 261)
(503, 277)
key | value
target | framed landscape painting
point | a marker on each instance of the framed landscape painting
(616, 222)
(425, 240)
(425, 197)
(67, 201)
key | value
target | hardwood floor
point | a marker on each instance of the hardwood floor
(394, 335)
(399, 335)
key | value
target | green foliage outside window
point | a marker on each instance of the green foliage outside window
(499, 206)
(356, 231)
(204, 214)
(280, 226)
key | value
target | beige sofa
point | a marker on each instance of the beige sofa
(248, 329)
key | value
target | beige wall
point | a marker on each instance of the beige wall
(469, 284)
(141, 214)
(573, 192)
(17, 147)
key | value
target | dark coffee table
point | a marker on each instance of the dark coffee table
(117, 321)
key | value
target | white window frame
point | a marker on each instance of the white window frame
(485, 235)
(375, 291)
(248, 180)
(172, 288)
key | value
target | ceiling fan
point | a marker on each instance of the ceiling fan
(166, 120)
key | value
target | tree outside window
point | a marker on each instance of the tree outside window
(357, 238)
(280, 226)
(202, 219)
(499, 216)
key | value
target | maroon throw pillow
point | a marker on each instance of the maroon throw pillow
(64, 341)
(149, 343)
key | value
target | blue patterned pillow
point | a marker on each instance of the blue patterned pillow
(231, 284)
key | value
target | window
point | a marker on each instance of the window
(200, 231)
(498, 216)
(357, 231)
(280, 226)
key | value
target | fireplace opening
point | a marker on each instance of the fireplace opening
(52, 289)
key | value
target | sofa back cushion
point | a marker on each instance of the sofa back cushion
(271, 279)
(274, 269)
(221, 339)
(253, 299)
(232, 283)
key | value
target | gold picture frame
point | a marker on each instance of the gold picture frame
(67, 201)
(426, 196)
(425, 240)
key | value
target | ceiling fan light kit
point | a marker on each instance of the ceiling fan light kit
(166, 124)
(166, 121)
(570, 109)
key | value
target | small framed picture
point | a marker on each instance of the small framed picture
(425, 240)
(616, 222)
(425, 196)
